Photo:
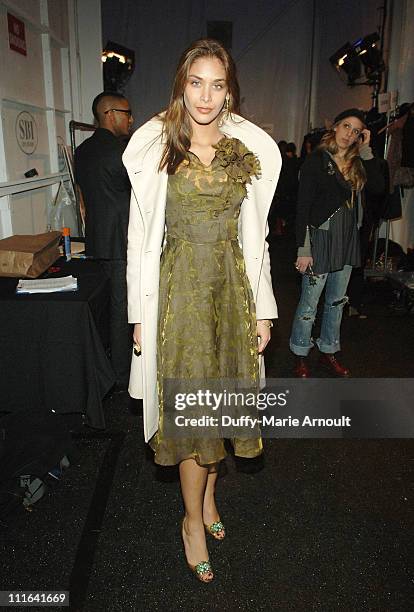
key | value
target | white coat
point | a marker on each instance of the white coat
(146, 236)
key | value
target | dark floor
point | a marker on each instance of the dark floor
(318, 525)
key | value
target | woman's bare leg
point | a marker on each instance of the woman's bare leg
(210, 512)
(193, 479)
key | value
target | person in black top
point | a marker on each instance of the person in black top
(329, 213)
(283, 209)
(106, 189)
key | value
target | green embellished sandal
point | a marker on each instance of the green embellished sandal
(203, 570)
(216, 530)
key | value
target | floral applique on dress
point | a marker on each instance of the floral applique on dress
(237, 160)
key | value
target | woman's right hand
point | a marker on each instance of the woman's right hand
(137, 334)
(302, 264)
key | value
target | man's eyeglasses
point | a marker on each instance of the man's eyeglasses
(128, 111)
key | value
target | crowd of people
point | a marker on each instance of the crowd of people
(192, 299)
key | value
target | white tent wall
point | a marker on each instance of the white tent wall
(401, 78)
(41, 91)
(401, 57)
(86, 56)
(275, 69)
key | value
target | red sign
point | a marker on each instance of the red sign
(17, 36)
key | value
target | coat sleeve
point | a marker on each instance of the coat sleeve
(308, 185)
(266, 307)
(134, 250)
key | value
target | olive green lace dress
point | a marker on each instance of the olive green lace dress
(206, 322)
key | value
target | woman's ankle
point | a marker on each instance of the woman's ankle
(191, 522)
(210, 511)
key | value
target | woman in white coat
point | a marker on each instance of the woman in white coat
(202, 182)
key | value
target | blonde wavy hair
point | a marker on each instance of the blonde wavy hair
(177, 127)
(353, 171)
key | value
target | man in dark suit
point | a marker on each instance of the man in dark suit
(106, 190)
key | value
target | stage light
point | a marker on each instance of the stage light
(346, 60)
(118, 66)
(338, 58)
(121, 58)
(362, 53)
(370, 56)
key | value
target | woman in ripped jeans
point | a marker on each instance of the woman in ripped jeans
(329, 214)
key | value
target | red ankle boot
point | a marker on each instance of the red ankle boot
(330, 362)
(301, 368)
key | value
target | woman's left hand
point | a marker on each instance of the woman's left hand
(263, 332)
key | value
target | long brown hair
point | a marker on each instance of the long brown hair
(353, 171)
(177, 127)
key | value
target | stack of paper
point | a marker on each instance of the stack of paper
(47, 285)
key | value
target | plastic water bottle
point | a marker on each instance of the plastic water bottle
(66, 243)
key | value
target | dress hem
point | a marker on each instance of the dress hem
(208, 464)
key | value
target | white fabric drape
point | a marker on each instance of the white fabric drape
(270, 42)
(274, 72)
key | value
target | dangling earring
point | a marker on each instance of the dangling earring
(224, 111)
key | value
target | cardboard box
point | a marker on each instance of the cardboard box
(28, 256)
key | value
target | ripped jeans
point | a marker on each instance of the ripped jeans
(335, 299)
